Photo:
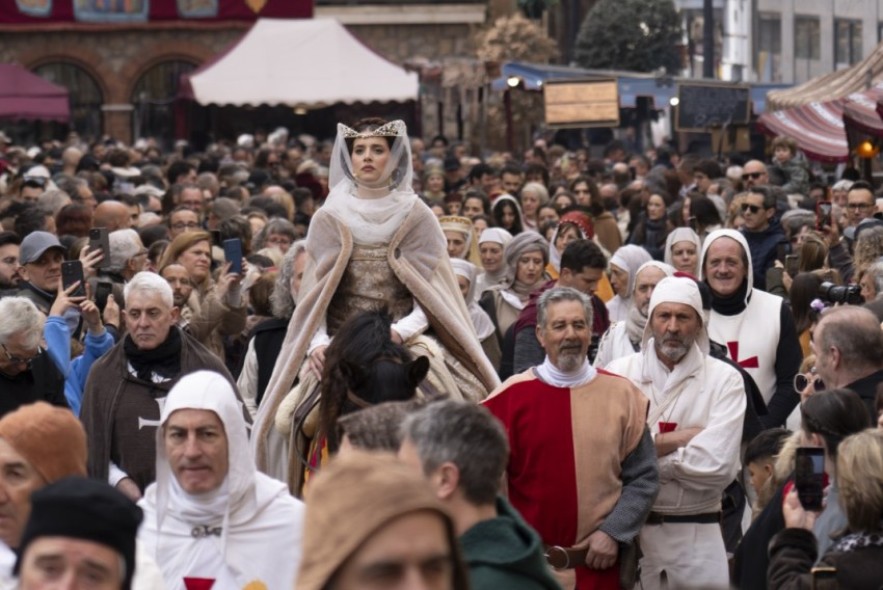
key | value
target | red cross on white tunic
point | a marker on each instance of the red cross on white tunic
(749, 363)
(199, 583)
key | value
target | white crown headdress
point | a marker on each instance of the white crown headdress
(392, 129)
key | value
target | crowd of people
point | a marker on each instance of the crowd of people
(376, 361)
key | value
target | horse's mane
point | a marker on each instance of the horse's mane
(363, 367)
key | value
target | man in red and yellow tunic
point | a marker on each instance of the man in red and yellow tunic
(582, 469)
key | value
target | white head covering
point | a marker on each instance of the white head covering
(497, 235)
(630, 258)
(740, 239)
(372, 220)
(681, 234)
(678, 290)
(482, 323)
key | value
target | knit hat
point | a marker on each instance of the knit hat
(678, 290)
(84, 509)
(51, 439)
(351, 500)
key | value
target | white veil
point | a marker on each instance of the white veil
(372, 220)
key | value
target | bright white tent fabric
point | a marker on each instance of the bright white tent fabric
(309, 63)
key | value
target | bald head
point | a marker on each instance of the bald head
(113, 215)
(754, 173)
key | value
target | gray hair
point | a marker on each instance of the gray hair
(19, 315)
(855, 332)
(281, 299)
(54, 200)
(452, 431)
(557, 295)
(277, 225)
(875, 271)
(124, 245)
(150, 282)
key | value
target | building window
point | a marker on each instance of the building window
(769, 48)
(84, 95)
(807, 38)
(847, 42)
(154, 101)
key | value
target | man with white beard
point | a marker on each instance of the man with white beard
(697, 405)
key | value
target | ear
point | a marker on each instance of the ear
(23, 272)
(769, 467)
(417, 370)
(835, 356)
(445, 480)
(352, 373)
(770, 213)
(539, 333)
(175, 312)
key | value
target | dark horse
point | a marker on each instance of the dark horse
(364, 367)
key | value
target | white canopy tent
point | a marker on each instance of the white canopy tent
(299, 63)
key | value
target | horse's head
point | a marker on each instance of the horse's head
(386, 379)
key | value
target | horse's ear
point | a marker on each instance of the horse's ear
(352, 373)
(417, 370)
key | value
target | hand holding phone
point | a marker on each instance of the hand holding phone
(792, 265)
(100, 240)
(823, 214)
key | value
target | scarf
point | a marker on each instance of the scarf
(164, 360)
(552, 375)
(732, 304)
(634, 325)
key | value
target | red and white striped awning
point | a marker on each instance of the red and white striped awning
(825, 130)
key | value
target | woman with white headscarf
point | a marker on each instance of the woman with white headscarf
(491, 244)
(623, 266)
(682, 247)
(526, 255)
(466, 273)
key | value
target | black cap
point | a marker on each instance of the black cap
(87, 509)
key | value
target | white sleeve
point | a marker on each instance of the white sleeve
(712, 456)
(248, 380)
(413, 324)
(320, 338)
(115, 475)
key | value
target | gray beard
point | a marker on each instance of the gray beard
(673, 352)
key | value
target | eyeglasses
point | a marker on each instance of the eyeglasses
(182, 225)
(802, 380)
(15, 360)
(749, 207)
(859, 206)
(752, 175)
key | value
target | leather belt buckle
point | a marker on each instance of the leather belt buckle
(558, 557)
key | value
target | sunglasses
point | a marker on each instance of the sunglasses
(802, 381)
(752, 175)
(37, 181)
(749, 207)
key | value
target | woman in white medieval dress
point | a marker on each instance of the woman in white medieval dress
(373, 245)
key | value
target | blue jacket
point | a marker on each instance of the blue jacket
(58, 336)
(764, 250)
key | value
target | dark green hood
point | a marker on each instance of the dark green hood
(504, 552)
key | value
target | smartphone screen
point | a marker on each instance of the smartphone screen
(823, 214)
(791, 264)
(233, 254)
(102, 291)
(809, 477)
(71, 272)
(99, 240)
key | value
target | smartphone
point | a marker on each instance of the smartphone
(791, 266)
(823, 214)
(781, 251)
(71, 272)
(216, 238)
(102, 291)
(98, 240)
(823, 577)
(694, 225)
(233, 254)
(809, 477)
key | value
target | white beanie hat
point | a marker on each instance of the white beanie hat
(678, 290)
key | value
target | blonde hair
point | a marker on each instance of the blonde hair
(860, 479)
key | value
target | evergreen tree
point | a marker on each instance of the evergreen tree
(636, 35)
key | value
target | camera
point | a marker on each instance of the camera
(850, 294)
